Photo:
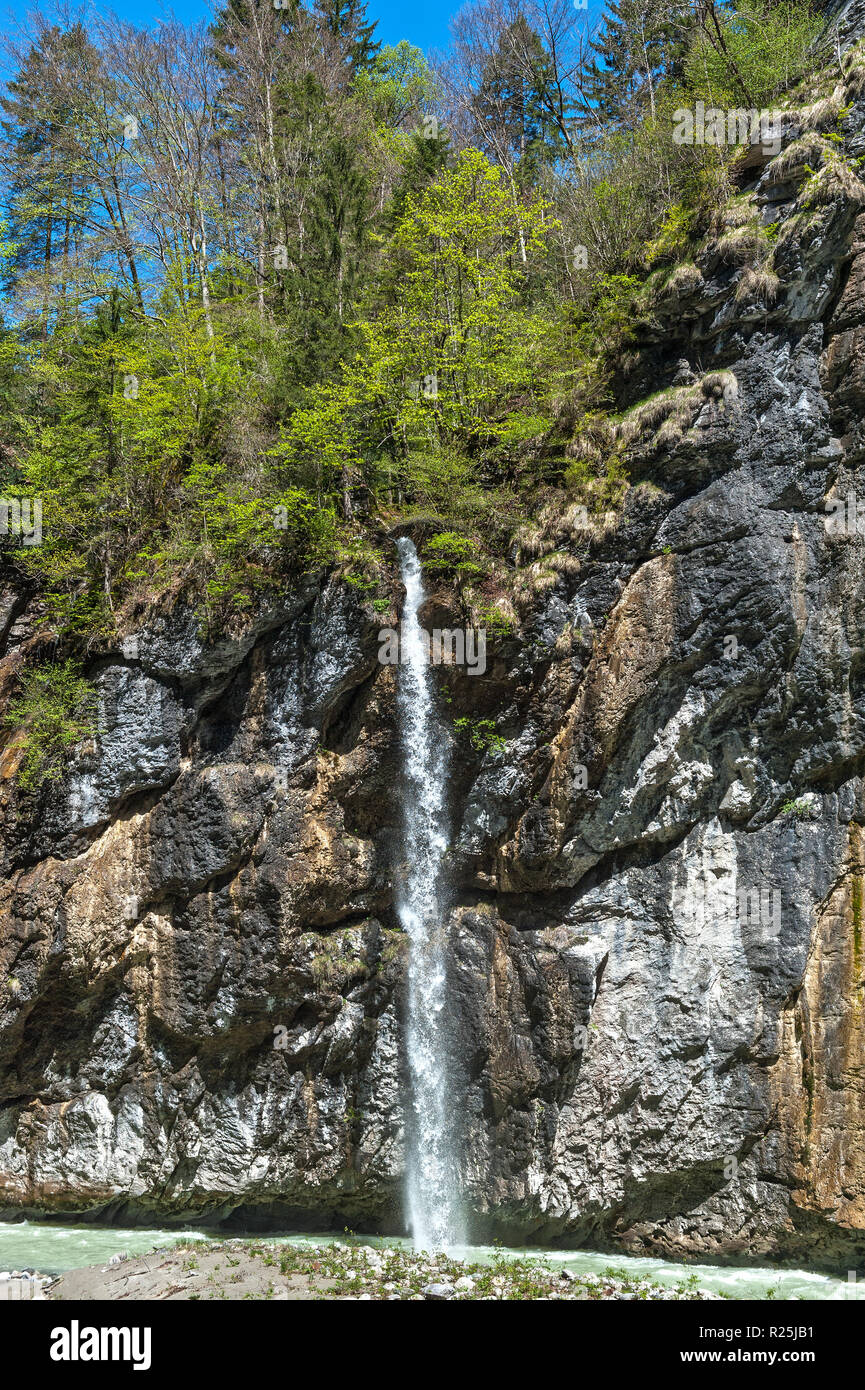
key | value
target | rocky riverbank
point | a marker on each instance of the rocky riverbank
(242, 1270)
(23, 1285)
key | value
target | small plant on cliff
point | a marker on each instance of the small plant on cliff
(481, 734)
(495, 621)
(600, 484)
(54, 711)
(452, 554)
(674, 236)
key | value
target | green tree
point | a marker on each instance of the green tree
(328, 244)
(640, 43)
(749, 52)
(422, 160)
(396, 85)
(54, 711)
(451, 342)
(513, 103)
(346, 21)
(48, 196)
(454, 288)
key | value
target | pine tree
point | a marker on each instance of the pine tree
(46, 195)
(641, 42)
(510, 102)
(424, 159)
(346, 20)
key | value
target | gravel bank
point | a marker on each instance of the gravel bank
(255, 1270)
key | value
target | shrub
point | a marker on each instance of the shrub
(451, 553)
(761, 49)
(55, 710)
(481, 734)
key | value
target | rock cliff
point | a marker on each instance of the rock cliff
(656, 883)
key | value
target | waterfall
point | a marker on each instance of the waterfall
(431, 1169)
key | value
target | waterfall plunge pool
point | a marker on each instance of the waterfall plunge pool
(53, 1249)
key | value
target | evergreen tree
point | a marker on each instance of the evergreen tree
(346, 20)
(338, 227)
(46, 196)
(330, 241)
(510, 102)
(640, 43)
(424, 159)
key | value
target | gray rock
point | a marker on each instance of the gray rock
(656, 957)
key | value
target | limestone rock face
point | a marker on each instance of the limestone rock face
(656, 885)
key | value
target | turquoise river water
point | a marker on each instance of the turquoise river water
(55, 1248)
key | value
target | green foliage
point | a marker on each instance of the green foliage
(494, 621)
(519, 426)
(613, 312)
(449, 343)
(237, 534)
(674, 235)
(513, 98)
(347, 21)
(289, 309)
(396, 85)
(481, 734)
(639, 43)
(757, 51)
(452, 338)
(444, 482)
(131, 486)
(599, 483)
(451, 554)
(54, 711)
(361, 564)
(421, 160)
(317, 447)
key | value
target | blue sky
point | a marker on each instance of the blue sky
(422, 22)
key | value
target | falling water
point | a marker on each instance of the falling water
(431, 1172)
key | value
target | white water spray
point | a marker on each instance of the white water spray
(431, 1169)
